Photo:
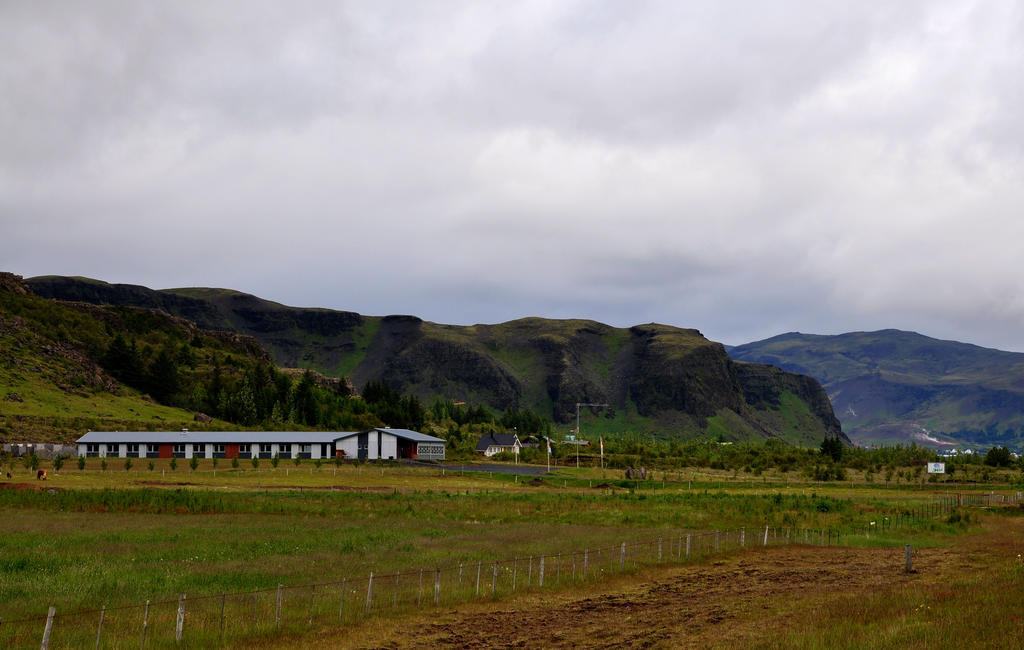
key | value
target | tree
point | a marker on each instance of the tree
(81, 462)
(999, 457)
(193, 463)
(162, 379)
(832, 447)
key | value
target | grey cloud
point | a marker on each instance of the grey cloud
(741, 168)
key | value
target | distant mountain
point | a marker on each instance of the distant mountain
(895, 386)
(657, 379)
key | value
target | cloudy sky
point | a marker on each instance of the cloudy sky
(744, 168)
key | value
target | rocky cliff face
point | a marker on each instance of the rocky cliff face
(658, 378)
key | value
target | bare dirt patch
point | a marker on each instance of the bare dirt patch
(732, 601)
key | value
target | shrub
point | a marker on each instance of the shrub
(255, 462)
(275, 460)
(81, 462)
(58, 462)
(193, 463)
(32, 461)
(151, 465)
(174, 464)
(297, 460)
(234, 462)
(127, 464)
(215, 462)
(103, 464)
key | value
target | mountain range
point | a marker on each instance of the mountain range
(656, 380)
(893, 386)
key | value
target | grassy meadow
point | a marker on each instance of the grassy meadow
(94, 537)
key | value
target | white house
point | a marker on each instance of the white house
(373, 444)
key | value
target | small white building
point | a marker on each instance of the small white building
(373, 444)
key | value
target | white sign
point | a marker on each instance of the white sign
(936, 468)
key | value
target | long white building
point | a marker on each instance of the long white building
(372, 444)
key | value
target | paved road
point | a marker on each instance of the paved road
(522, 470)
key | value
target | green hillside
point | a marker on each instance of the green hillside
(659, 380)
(894, 386)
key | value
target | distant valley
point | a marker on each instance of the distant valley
(893, 386)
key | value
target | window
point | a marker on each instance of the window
(112, 449)
(133, 450)
(265, 451)
(179, 450)
(285, 449)
(305, 451)
(92, 451)
(245, 451)
(198, 451)
(325, 452)
(218, 451)
(152, 451)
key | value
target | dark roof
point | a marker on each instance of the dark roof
(496, 440)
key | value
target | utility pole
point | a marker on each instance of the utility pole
(578, 405)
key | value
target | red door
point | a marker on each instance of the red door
(165, 451)
(230, 451)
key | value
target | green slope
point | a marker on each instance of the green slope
(661, 380)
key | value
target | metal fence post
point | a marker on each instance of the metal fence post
(540, 582)
(437, 586)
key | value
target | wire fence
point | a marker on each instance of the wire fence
(213, 620)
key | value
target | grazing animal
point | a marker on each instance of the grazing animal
(41, 475)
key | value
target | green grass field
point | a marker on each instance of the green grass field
(93, 538)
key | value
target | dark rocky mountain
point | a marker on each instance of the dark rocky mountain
(658, 379)
(895, 386)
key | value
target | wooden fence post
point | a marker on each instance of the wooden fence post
(277, 614)
(99, 630)
(529, 575)
(394, 596)
(419, 592)
(180, 623)
(765, 536)
(437, 586)
(222, 598)
(494, 580)
(743, 536)
(477, 579)
(687, 546)
(145, 624)
(586, 559)
(48, 628)
(907, 549)
(341, 600)
(540, 582)
(716, 541)
(659, 550)
(369, 593)
(312, 599)
(458, 594)
(622, 557)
